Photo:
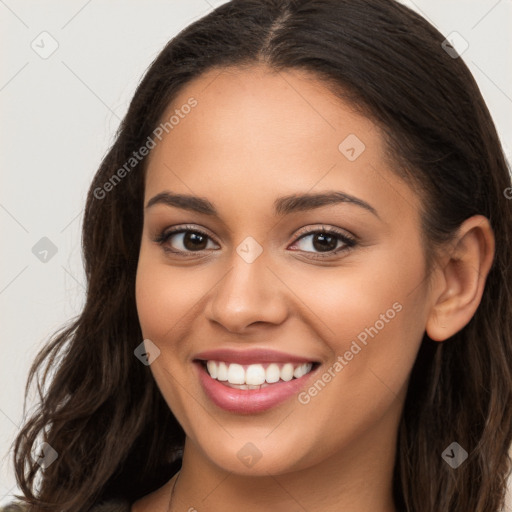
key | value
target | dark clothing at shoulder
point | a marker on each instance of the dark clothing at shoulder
(117, 505)
(114, 502)
(112, 506)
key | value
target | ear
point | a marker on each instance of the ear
(461, 279)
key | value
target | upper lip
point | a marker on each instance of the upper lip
(251, 356)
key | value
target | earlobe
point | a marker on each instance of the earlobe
(462, 277)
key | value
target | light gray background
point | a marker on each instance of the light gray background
(59, 118)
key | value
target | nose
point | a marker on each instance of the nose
(249, 293)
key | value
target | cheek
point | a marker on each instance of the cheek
(166, 300)
(164, 295)
(349, 298)
(171, 298)
(373, 317)
(375, 333)
(367, 374)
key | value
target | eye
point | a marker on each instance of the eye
(325, 240)
(187, 238)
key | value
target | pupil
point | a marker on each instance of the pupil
(194, 241)
(326, 242)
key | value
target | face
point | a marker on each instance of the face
(272, 283)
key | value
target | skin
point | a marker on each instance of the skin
(256, 135)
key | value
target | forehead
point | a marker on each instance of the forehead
(284, 111)
(263, 131)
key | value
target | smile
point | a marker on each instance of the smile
(255, 376)
(252, 382)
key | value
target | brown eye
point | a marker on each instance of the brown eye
(194, 241)
(324, 242)
(327, 241)
(183, 240)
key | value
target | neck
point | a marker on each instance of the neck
(357, 478)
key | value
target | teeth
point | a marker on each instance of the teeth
(272, 374)
(254, 376)
(222, 371)
(301, 370)
(287, 372)
(236, 374)
(212, 369)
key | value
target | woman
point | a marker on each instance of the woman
(297, 254)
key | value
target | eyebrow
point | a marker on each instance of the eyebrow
(282, 205)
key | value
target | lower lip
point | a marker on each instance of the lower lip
(248, 401)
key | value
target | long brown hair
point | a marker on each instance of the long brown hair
(102, 411)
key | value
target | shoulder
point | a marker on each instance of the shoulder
(157, 500)
(114, 505)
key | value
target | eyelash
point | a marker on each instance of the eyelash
(349, 242)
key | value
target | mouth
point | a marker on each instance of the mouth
(255, 376)
(252, 388)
